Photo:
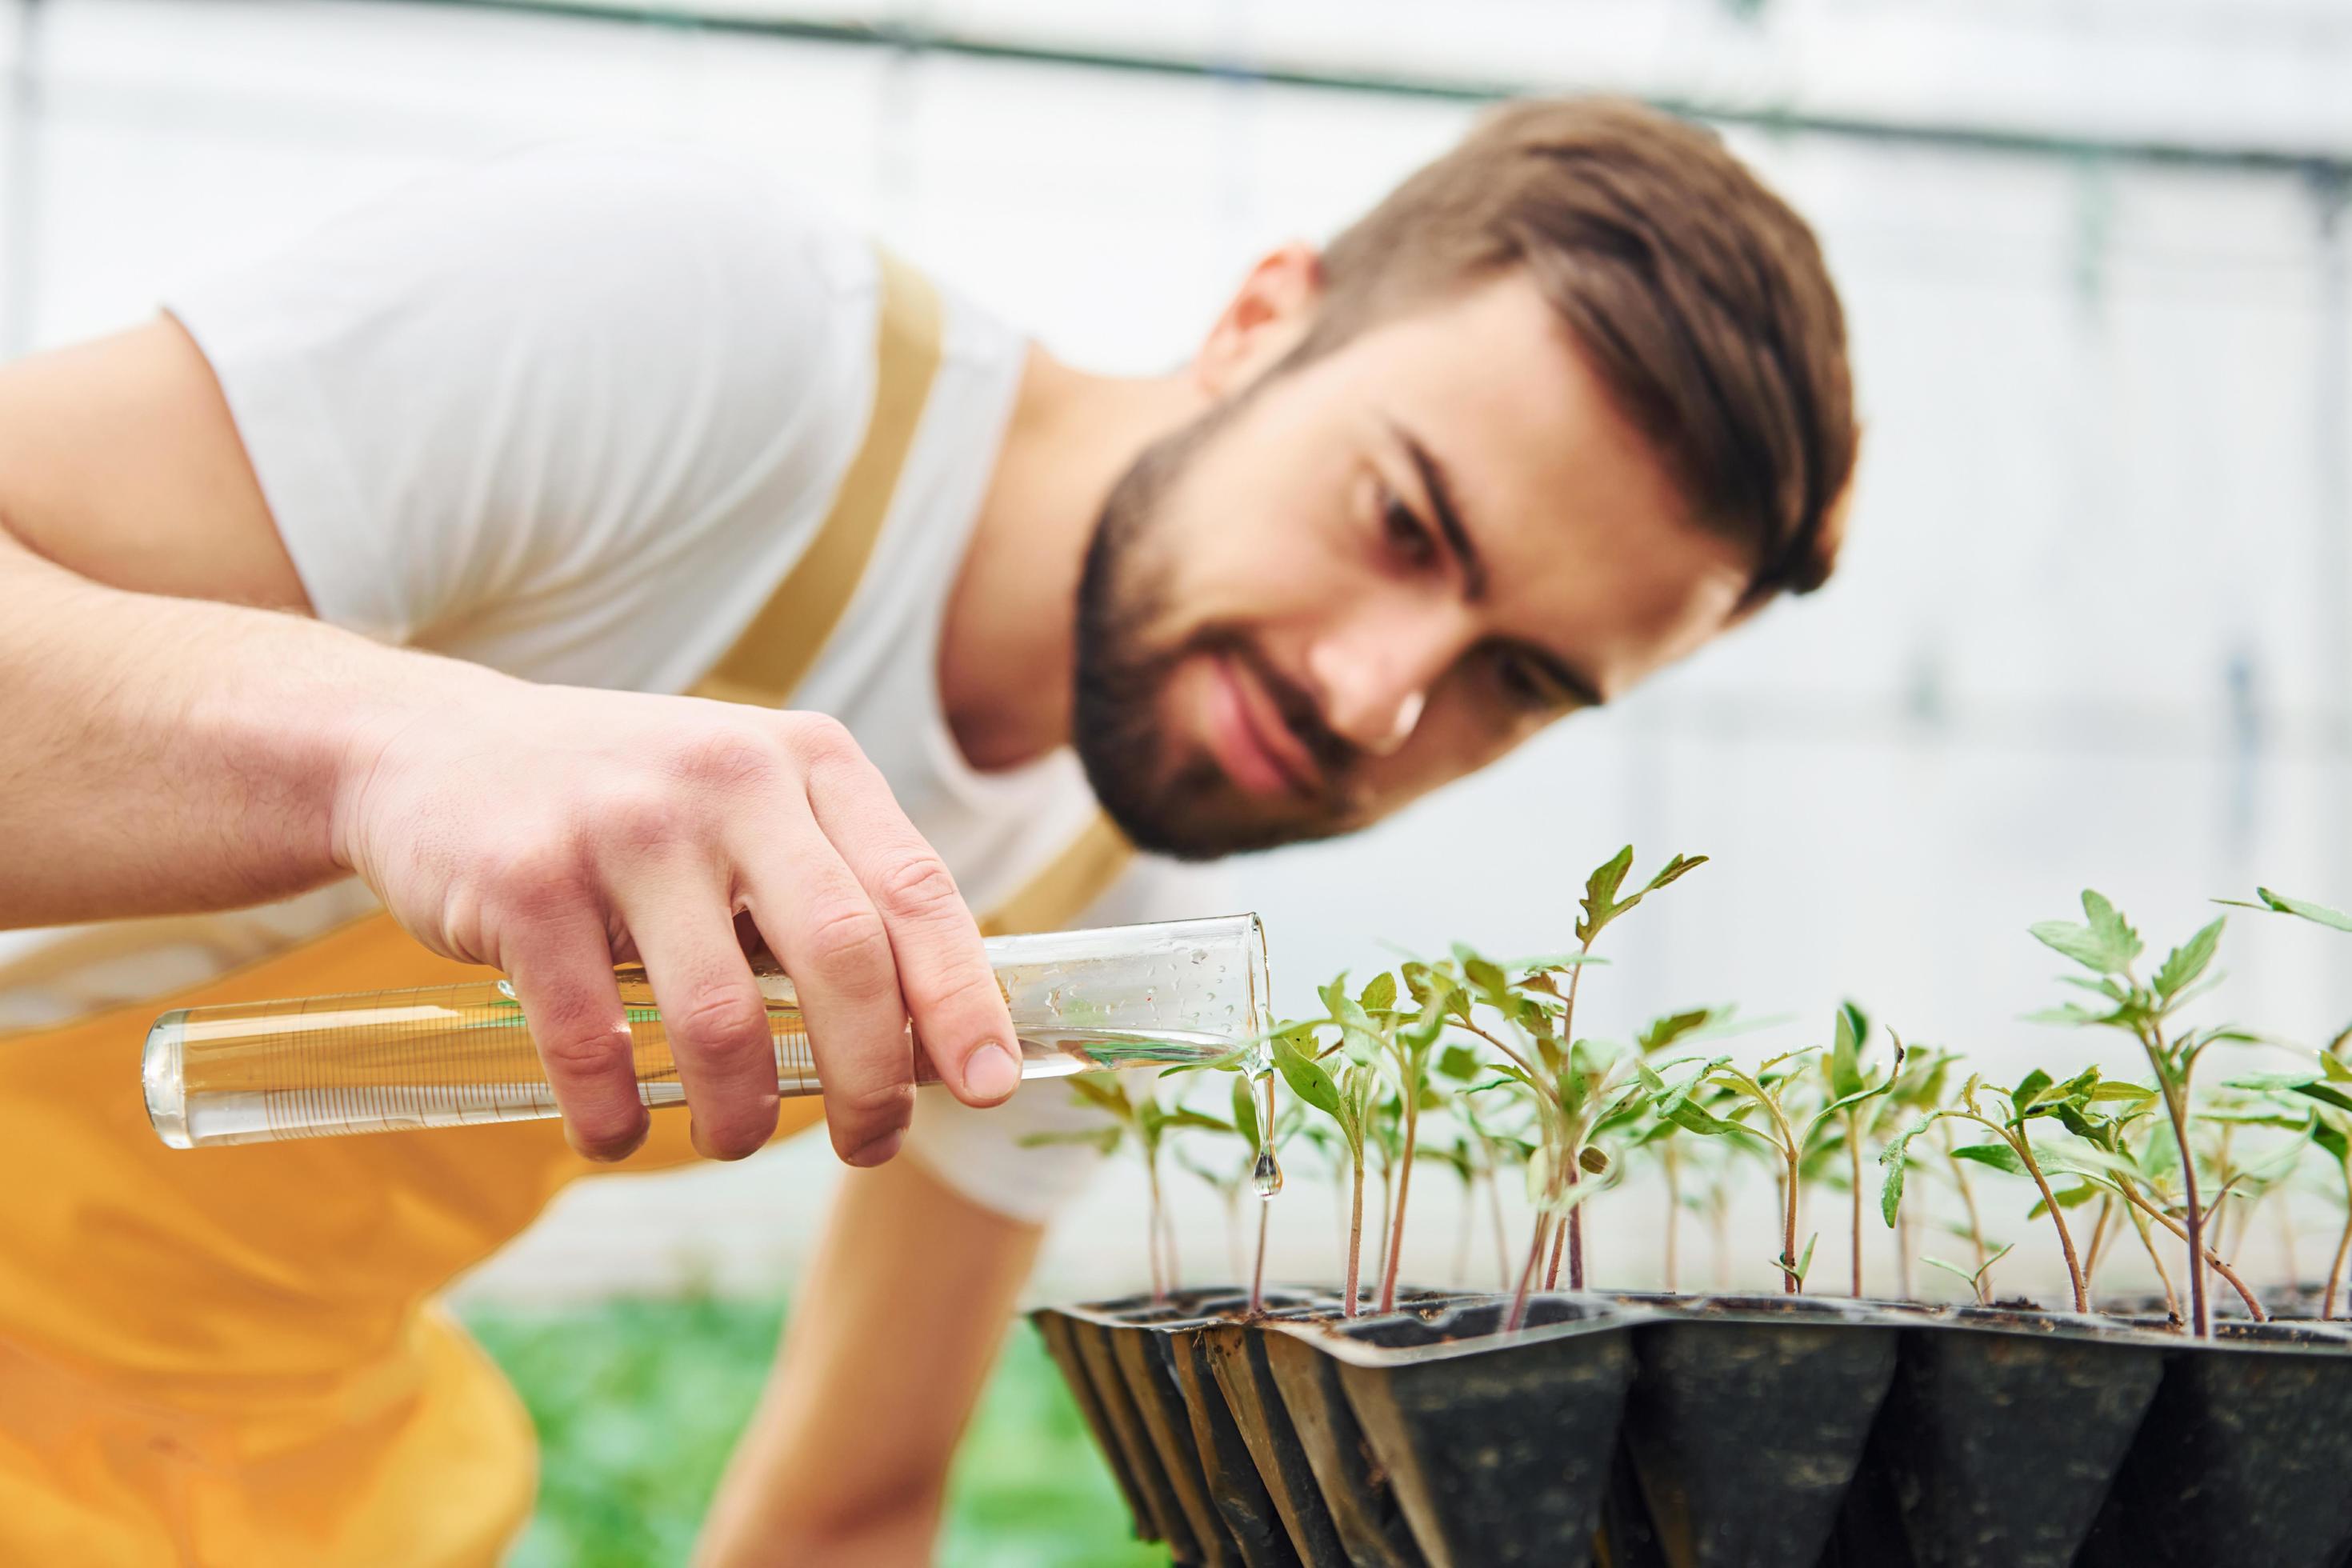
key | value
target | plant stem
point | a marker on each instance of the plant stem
(1569, 1237)
(1258, 1273)
(1381, 1265)
(1674, 1217)
(1968, 1197)
(1518, 1315)
(1233, 1200)
(1355, 1238)
(2293, 1271)
(1403, 1191)
(1524, 1065)
(2343, 1249)
(2171, 1297)
(2024, 1147)
(1789, 1284)
(1574, 1228)
(1461, 1272)
(2206, 1253)
(1853, 1166)
(1906, 1232)
(1718, 1226)
(2098, 1245)
(1160, 1271)
(2336, 1270)
(2176, 1107)
(1502, 1235)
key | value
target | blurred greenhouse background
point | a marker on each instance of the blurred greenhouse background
(2095, 626)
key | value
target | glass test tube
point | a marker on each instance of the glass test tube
(453, 1055)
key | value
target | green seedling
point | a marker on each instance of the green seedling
(2034, 1097)
(1979, 1279)
(1229, 1181)
(2106, 945)
(1348, 1099)
(1919, 1087)
(1775, 1096)
(2302, 909)
(1657, 1137)
(1580, 1090)
(2253, 1142)
(1146, 1124)
(2322, 1094)
(1397, 1043)
(2330, 1089)
(1843, 1081)
(1493, 1146)
(2100, 1153)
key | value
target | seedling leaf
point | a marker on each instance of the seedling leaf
(1999, 1157)
(1306, 1076)
(1680, 867)
(2184, 964)
(1245, 1107)
(2318, 914)
(2104, 944)
(1845, 1054)
(1101, 1091)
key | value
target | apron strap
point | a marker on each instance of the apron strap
(782, 642)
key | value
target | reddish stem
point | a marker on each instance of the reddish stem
(1789, 1229)
(1403, 1191)
(2058, 1218)
(1528, 1276)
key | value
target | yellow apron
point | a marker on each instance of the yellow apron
(236, 1355)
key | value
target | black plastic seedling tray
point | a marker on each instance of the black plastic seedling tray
(1666, 1432)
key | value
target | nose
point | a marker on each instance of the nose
(1373, 675)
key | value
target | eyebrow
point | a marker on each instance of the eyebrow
(1449, 518)
(1474, 568)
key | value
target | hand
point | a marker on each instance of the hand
(554, 832)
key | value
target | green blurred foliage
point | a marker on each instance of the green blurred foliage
(637, 1404)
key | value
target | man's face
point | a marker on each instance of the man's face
(1362, 576)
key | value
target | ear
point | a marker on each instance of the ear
(1267, 317)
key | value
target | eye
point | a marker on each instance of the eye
(1526, 683)
(1403, 534)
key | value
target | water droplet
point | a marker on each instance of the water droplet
(1266, 1176)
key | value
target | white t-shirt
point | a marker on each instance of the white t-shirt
(573, 414)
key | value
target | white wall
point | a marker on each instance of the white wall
(2091, 628)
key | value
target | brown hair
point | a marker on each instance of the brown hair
(1699, 296)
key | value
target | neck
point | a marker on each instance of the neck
(1008, 645)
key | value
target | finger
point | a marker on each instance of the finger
(825, 931)
(711, 1010)
(562, 975)
(945, 981)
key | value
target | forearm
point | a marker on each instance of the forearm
(893, 1332)
(167, 754)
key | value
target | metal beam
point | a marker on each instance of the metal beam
(925, 38)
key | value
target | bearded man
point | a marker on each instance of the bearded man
(596, 557)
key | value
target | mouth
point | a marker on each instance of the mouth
(1257, 749)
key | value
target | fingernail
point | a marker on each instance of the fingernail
(880, 1150)
(990, 1073)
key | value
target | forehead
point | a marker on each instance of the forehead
(1576, 514)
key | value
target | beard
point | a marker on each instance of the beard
(1167, 803)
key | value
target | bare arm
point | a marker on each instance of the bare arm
(175, 740)
(892, 1334)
